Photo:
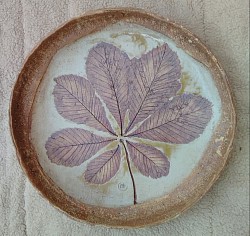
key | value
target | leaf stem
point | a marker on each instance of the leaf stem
(130, 171)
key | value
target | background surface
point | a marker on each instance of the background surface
(222, 25)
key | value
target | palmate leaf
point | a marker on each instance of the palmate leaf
(75, 100)
(72, 146)
(155, 79)
(179, 121)
(144, 87)
(107, 69)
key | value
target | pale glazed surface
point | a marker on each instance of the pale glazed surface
(134, 40)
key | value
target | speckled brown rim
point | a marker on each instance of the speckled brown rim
(150, 212)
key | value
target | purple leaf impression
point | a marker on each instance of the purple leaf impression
(142, 89)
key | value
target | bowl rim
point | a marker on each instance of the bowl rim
(153, 211)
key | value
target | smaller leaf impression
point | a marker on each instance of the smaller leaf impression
(144, 88)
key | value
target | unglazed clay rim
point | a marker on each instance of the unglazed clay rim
(152, 211)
